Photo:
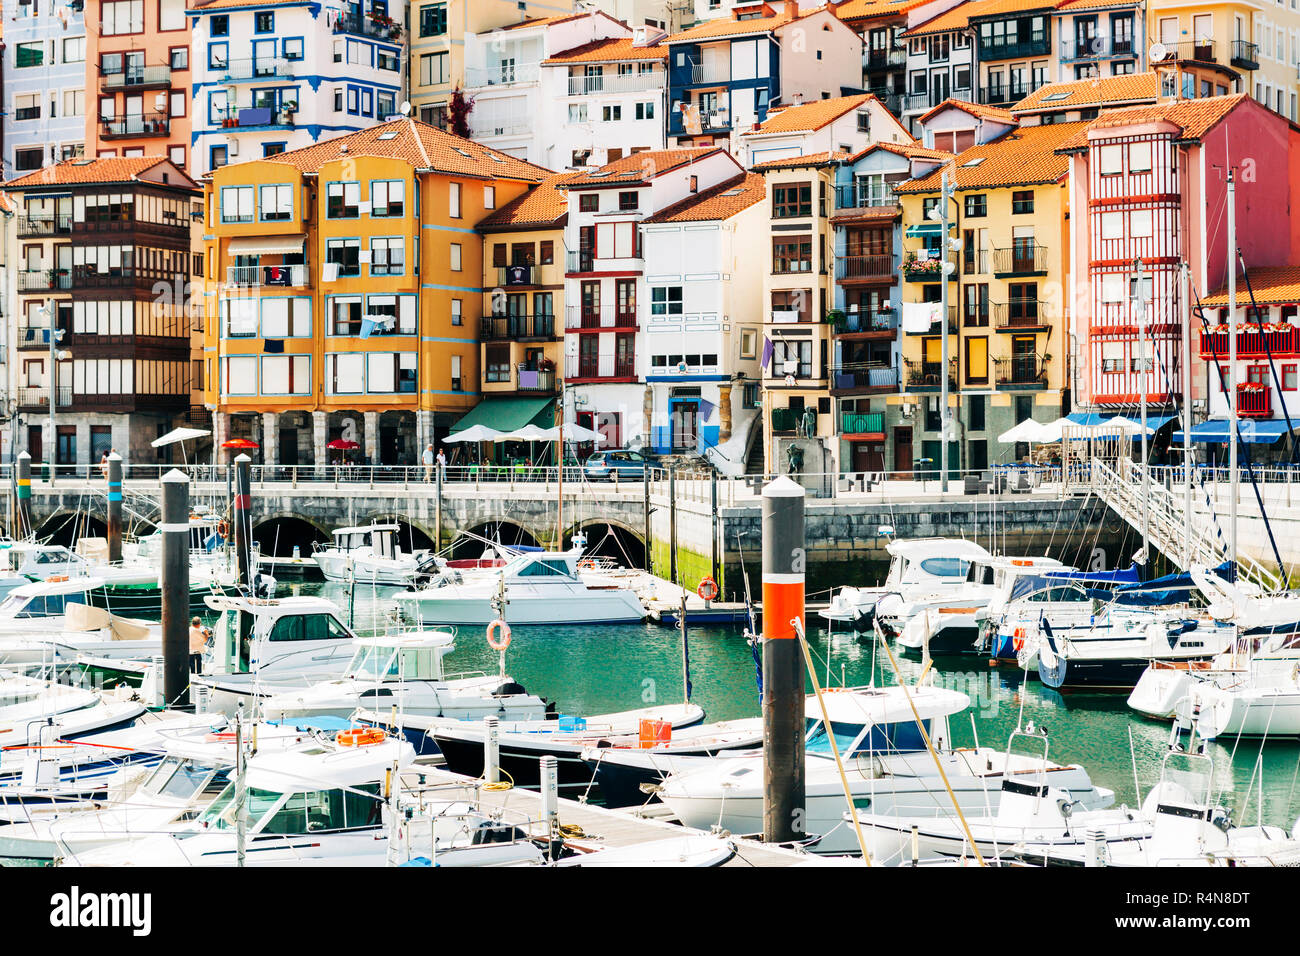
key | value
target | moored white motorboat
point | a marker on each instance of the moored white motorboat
(371, 554)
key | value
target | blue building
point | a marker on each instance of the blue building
(44, 84)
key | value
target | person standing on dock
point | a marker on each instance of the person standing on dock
(198, 641)
(427, 460)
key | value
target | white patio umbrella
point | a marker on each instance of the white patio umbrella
(1027, 431)
(526, 433)
(474, 433)
(1127, 425)
(580, 434)
(179, 435)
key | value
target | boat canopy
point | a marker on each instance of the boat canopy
(1170, 589)
(1130, 575)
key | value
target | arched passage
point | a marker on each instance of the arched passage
(66, 527)
(504, 532)
(279, 535)
(609, 540)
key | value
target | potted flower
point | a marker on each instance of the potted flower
(836, 319)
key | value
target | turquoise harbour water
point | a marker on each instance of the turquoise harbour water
(592, 670)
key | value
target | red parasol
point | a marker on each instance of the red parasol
(343, 444)
(240, 443)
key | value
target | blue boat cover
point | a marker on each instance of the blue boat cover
(1130, 575)
(1170, 589)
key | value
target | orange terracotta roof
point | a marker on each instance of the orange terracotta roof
(1022, 157)
(1096, 91)
(996, 113)
(721, 202)
(810, 116)
(608, 51)
(75, 172)
(1194, 118)
(730, 27)
(911, 151)
(871, 9)
(1079, 6)
(960, 16)
(640, 167)
(218, 4)
(545, 205)
(1272, 285)
(804, 162)
(421, 145)
(538, 21)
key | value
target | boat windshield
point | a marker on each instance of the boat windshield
(36, 605)
(51, 556)
(945, 567)
(531, 566)
(882, 738)
(373, 663)
(980, 573)
(312, 811)
(178, 778)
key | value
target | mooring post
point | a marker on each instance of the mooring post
(645, 495)
(672, 524)
(176, 587)
(114, 508)
(437, 518)
(23, 492)
(713, 506)
(491, 751)
(783, 666)
(243, 501)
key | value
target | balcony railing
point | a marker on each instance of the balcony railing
(135, 126)
(922, 375)
(605, 365)
(44, 280)
(521, 275)
(876, 59)
(584, 260)
(35, 226)
(1202, 50)
(709, 72)
(275, 275)
(1254, 400)
(27, 113)
(255, 117)
(865, 377)
(893, 101)
(615, 83)
(917, 269)
(860, 423)
(502, 74)
(140, 78)
(507, 328)
(578, 317)
(1075, 48)
(883, 320)
(533, 379)
(29, 397)
(117, 278)
(1021, 260)
(1021, 370)
(368, 27)
(32, 334)
(864, 267)
(1020, 314)
(1012, 48)
(259, 68)
(1251, 343)
(864, 196)
(1000, 95)
(927, 101)
(1245, 54)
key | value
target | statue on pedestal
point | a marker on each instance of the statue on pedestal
(794, 459)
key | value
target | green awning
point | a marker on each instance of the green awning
(506, 414)
(924, 230)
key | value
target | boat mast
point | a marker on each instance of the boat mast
(1140, 304)
(1232, 361)
(1186, 316)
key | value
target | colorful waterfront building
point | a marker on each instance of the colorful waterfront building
(138, 78)
(344, 290)
(884, 51)
(44, 93)
(105, 260)
(1096, 39)
(847, 124)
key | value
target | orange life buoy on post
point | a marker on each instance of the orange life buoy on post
(708, 589)
(223, 528)
(498, 644)
(360, 737)
(1018, 641)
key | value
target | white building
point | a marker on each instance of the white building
(845, 124)
(272, 77)
(44, 69)
(607, 298)
(940, 57)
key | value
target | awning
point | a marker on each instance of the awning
(925, 229)
(507, 414)
(265, 245)
(1154, 422)
(1251, 432)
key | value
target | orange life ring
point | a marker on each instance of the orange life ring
(1018, 641)
(708, 589)
(223, 528)
(504, 641)
(57, 577)
(360, 737)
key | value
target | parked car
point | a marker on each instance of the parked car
(621, 462)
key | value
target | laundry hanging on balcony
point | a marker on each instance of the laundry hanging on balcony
(919, 316)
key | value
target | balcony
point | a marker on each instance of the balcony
(257, 117)
(584, 260)
(1013, 48)
(926, 376)
(884, 59)
(893, 101)
(1251, 343)
(862, 423)
(1028, 315)
(865, 268)
(379, 29)
(579, 318)
(864, 378)
(709, 74)
(133, 126)
(136, 79)
(607, 366)
(614, 83)
(32, 227)
(1021, 372)
(510, 126)
(1245, 55)
(175, 227)
(924, 269)
(116, 278)
(44, 280)
(880, 324)
(534, 379)
(521, 275)
(510, 328)
(935, 328)
(1096, 48)
(31, 334)
(1202, 50)
(259, 68)
(296, 275)
(502, 74)
(1020, 260)
(34, 398)
(864, 196)
(921, 102)
(1254, 400)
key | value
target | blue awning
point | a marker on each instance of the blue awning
(925, 229)
(1154, 422)
(1265, 432)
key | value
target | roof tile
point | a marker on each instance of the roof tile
(547, 204)
(1194, 117)
(640, 167)
(811, 116)
(72, 172)
(1022, 157)
(1097, 91)
(1271, 285)
(608, 51)
(721, 202)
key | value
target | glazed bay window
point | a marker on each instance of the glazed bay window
(346, 254)
(286, 374)
(791, 255)
(342, 200)
(389, 373)
(792, 200)
(276, 203)
(344, 315)
(387, 257)
(237, 204)
(388, 199)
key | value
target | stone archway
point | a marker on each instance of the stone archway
(611, 539)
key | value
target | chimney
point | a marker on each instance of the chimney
(796, 99)
(791, 9)
(640, 36)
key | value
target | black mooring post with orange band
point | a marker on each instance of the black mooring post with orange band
(783, 662)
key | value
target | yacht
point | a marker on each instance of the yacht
(371, 555)
(889, 769)
(83, 630)
(538, 587)
(28, 704)
(22, 562)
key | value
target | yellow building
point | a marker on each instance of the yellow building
(798, 291)
(343, 292)
(1008, 339)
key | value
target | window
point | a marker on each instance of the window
(293, 48)
(264, 21)
(277, 203)
(239, 317)
(387, 199)
(612, 114)
(1289, 378)
(345, 373)
(1110, 159)
(1139, 157)
(121, 16)
(453, 200)
(272, 149)
(218, 56)
(577, 113)
(286, 375)
(220, 26)
(389, 372)
(456, 311)
(387, 257)
(588, 202)
(791, 255)
(645, 111)
(792, 201)
(627, 200)
(455, 257)
(1022, 202)
(29, 54)
(176, 103)
(433, 69)
(241, 375)
(177, 155)
(547, 252)
(346, 253)
(433, 20)
(171, 15)
(74, 50)
(1112, 225)
(666, 300)
(489, 197)
(1140, 223)
(977, 205)
(338, 100)
(286, 317)
(342, 200)
(237, 204)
